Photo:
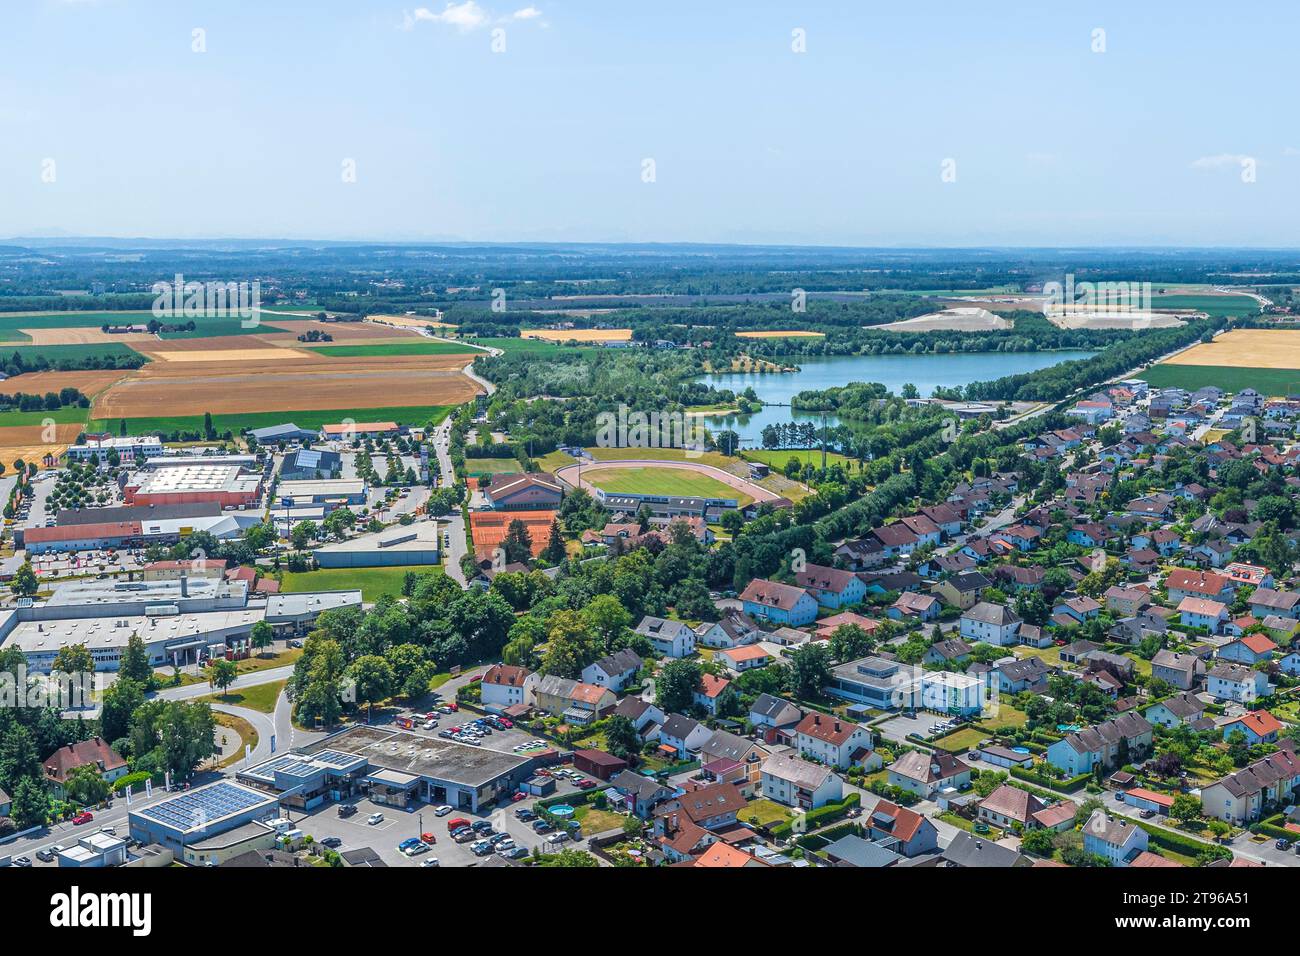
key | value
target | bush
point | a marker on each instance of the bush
(819, 817)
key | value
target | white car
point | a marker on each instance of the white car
(431, 861)
(442, 811)
(374, 818)
(430, 724)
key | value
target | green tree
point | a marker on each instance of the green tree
(555, 551)
(262, 635)
(135, 662)
(621, 738)
(222, 673)
(74, 659)
(373, 680)
(1185, 808)
(676, 684)
(85, 786)
(25, 583)
(810, 670)
(31, 804)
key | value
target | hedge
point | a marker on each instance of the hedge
(1069, 785)
(1188, 846)
(819, 817)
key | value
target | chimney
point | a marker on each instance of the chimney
(185, 585)
(817, 719)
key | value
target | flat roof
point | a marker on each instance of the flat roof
(320, 486)
(87, 593)
(102, 633)
(420, 536)
(431, 757)
(309, 602)
(196, 478)
(194, 811)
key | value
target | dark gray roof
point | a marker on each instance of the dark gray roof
(856, 851)
(968, 850)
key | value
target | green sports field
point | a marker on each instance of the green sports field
(491, 466)
(1268, 381)
(778, 459)
(373, 582)
(417, 415)
(661, 481)
(396, 348)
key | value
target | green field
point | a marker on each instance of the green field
(209, 328)
(1215, 305)
(1269, 381)
(54, 354)
(373, 582)
(661, 481)
(491, 466)
(396, 348)
(417, 415)
(11, 323)
(68, 414)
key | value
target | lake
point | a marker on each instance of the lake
(893, 371)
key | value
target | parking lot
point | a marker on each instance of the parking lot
(398, 825)
(897, 728)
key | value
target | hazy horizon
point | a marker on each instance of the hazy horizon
(816, 124)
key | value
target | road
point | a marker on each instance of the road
(456, 548)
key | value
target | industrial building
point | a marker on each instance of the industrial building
(308, 463)
(287, 432)
(403, 768)
(180, 621)
(225, 485)
(331, 492)
(410, 544)
(132, 527)
(667, 506)
(142, 446)
(197, 815)
(348, 430)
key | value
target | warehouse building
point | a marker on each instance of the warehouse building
(331, 492)
(225, 485)
(308, 463)
(411, 544)
(287, 432)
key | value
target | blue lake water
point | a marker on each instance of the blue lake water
(893, 371)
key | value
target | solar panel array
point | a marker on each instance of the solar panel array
(192, 811)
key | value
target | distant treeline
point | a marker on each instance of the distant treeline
(17, 364)
(50, 401)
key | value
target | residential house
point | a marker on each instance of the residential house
(1249, 650)
(1127, 601)
(573, 700)
(925, 774)
(1243, 797)
(1237, 682)
(734, 629)
(776, 713)
(506, 685)
(1203, 613)
(991, 623)
(1009, 806)
(1025, 674)
(902, 830)
(740, 659)
(1257, 726)
(730, 758)
(1115, 741)
(669, 638)
(1179, 670)
(615, 671)
(1266, 601)
(913, 606)
(1176, 711)
(832, 587)
(780, 603)
(947, 652)
(838, 743)
(709, 692)
(1117, 839)
(851, 850)
(644, 716)
(682, 737)
(94, 753)
(968, 850)
(1210, 585)
(798, 783)
(962, 590)
(642, 794)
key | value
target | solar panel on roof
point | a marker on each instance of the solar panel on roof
(192, 811)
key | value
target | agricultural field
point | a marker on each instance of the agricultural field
(54, 354)
(1214, 305)
(373, 582)
(577, 335)
(1264, 359)
(310, 418)
(661, 481)
(29, 442)
(414, 347)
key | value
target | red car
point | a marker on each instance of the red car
(456, 824)
(517, 796)
(505, 723)
(85, 816)
(585, 784)
(429, 838)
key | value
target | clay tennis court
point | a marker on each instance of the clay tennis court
(488, 529)
(577, 335)
(1246, 348)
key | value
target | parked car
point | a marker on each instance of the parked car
(22, 861)
(45, 855)
(347, 810)
(1283, 844)
(442, 811)
(457, 823)
(332, 842)
(374, 818)
(431, 861)
(85, 816)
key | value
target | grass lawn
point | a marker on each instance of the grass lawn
(260, 697)
(1007, 716)
(373, 582)
(1051, 656)
(259, 663)
(597, 821)
(763, 811)
(662, 481)
(960, 740)
(414, 347)
(247, 736)
(948, 816)
(403, 415)
(491, 466)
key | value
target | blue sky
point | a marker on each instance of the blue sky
(1053, 144)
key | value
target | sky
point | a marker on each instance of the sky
(824, 123)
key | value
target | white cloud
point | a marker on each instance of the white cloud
(466, 17)
(1220, 160)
